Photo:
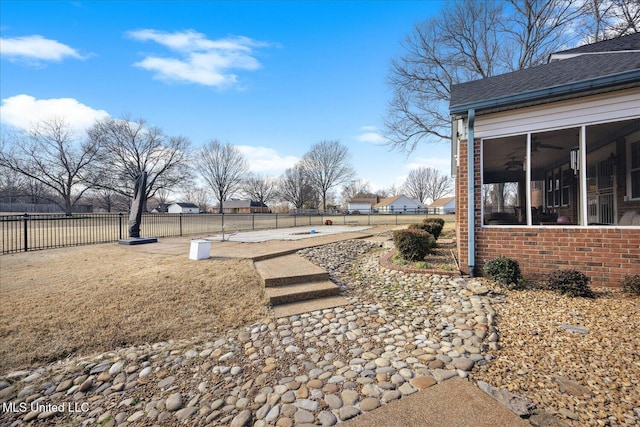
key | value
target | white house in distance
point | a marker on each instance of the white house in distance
(444, 205)
(399, 204)
(362, 204)
(179, 207)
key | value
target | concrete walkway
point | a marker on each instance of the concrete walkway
(456, 402)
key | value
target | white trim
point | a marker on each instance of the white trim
(629, 194)
(609, 107)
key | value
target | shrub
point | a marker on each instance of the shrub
(433, 228)
(436, 220)
(412, 244)
(631, 284)
(570, 282)
(503, 270)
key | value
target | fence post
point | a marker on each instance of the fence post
(26, 236)
(120, 225)
(180, 221)
(295, 219)
(276, 221)
(396, 219)
(253, 221)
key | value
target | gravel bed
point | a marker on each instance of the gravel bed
(578, 358)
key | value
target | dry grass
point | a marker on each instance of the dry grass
(81, 300)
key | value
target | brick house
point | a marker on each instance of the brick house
(244, 207)
(551, 177)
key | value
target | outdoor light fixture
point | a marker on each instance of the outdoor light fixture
(575, 160)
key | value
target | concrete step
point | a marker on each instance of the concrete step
(288, 270)
(291, 309)
(301, 292)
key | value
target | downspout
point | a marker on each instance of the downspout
(471, 193)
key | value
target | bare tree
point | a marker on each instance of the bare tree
(606, 19)
(197, 195)
(129, 148)
(259, 188)
(109, 201)
(222, 166)
(390, 191)
(52, 155)
(295, 188)
(327, 165)
(468, 40)
(427, 184)
(356, 188)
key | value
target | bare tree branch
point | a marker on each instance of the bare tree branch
(52, 155)
(427, 184)
(327, 164)
(222, 166)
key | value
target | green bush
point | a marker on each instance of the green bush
(570, 282)
(412, 244)
(433, 228)
(505, 271)
(631, 284)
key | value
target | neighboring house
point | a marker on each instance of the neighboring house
(554, 164)
(362, 204)
(161, 208)
(189, 208)
(444, 205)
(399, 204)
(244, 207)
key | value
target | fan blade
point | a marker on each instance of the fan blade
(552, 147)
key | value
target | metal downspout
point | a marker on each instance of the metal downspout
(471, 193)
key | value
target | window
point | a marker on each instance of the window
(634, 170)
(534, 179)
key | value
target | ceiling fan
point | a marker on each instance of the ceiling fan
(513, 165)
(537, 145)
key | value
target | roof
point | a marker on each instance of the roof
(243, 204)
(597, 68)
(371, 200)
(441, 202)
(629, 42)
(388, 200)
(186, 205)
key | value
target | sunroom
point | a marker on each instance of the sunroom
(547, 164)
(585, 175)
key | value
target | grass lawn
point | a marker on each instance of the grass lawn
(62, 302)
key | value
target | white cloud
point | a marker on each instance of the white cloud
(35, 50)
(200, 60)
(370, 135)
(24, 111)
(267, 160)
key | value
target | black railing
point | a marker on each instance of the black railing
(30, 232)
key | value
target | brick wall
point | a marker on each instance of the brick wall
(606, 254)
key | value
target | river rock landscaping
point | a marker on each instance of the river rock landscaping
(401, 332)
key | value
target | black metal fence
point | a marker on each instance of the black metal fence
(30, 232)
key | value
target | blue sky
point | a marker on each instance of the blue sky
(272, 78)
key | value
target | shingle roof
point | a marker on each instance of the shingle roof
(441, 202)
(616, 67)
(388, 200)
(186, 205)
(629, 42)
(242, 204)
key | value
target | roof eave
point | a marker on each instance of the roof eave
(575, 88)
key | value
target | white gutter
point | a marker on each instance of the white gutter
(471, 192)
